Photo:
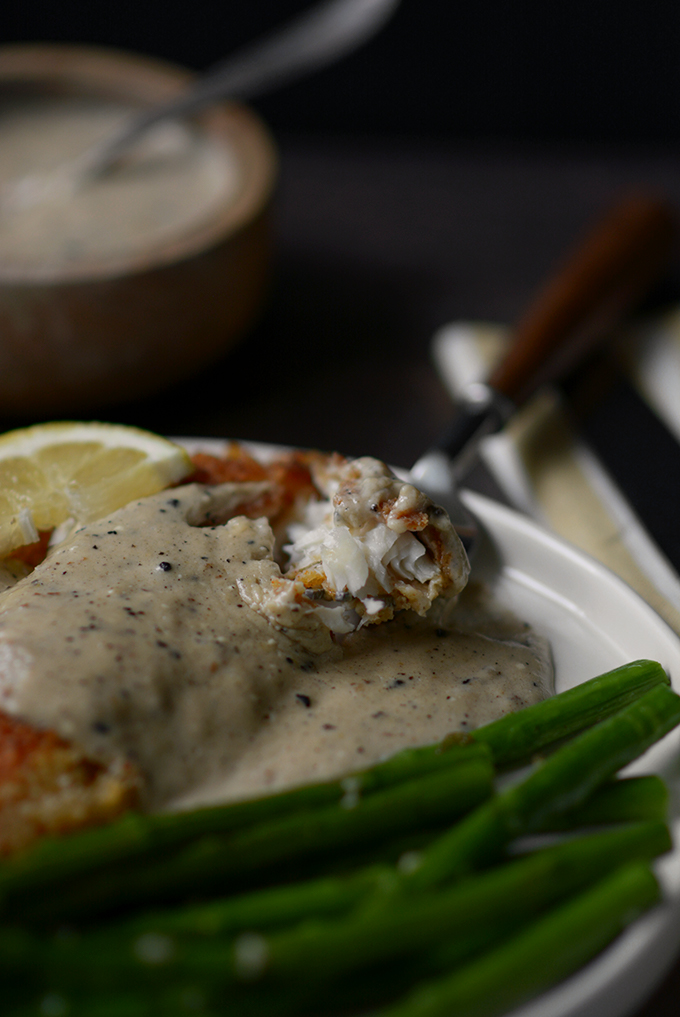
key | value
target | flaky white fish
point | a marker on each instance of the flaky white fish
(375, 545)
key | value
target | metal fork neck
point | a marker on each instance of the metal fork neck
(482, 412)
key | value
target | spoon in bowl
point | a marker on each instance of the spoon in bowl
(606, 277)
(321, 35)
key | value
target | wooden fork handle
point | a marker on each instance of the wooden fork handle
(604, 279)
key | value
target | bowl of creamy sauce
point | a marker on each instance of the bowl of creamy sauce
(127, 283)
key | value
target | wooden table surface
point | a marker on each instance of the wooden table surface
(378, 245)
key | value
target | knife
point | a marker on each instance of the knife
(632, 442)
(602, 282)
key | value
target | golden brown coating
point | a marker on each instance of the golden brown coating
(47, 784)
(48, 787)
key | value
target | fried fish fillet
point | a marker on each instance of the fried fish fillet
(374, 544)
(48, 787)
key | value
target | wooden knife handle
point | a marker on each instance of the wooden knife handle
(603, 280)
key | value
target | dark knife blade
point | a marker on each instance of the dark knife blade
(635, 447)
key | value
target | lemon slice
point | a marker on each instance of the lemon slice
(53, 472)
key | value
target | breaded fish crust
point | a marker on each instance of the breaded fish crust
(48, 787)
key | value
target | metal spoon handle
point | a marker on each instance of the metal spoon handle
(319, 36)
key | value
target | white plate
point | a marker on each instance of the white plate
(594, 622)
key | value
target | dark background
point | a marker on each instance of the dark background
(512, 69)
(438, 173)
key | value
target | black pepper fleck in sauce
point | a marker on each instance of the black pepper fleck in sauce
(191, 710)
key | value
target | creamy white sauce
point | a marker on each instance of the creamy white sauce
(169, 183)
(133, 639)
(10, 573)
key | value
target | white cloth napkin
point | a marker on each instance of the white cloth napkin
(549, 473)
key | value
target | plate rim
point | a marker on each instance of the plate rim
(619, 979)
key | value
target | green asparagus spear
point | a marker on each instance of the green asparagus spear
(623, 800)
(56, 860)
(626, 800)
(265, 909)
(136, 836)
(174, 1000)
(394, 927)
(252, 855)
(517, 736)
(562, 781)
(539, 956)
(142, 837)
(398, 926)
